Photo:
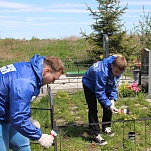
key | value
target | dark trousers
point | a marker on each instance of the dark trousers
(93, 111)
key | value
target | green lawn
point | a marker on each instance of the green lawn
(70, 112)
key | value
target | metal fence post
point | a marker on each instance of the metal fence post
(53, 122)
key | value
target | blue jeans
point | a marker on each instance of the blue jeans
(11, 139)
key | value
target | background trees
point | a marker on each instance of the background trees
(143, 30)
(107, 21)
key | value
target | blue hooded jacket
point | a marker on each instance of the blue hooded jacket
(19, 83)
(100, 80)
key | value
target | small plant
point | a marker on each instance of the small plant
(136, 64)
(128, 90)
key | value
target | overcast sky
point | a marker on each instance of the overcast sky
(57, 18)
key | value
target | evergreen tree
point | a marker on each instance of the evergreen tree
(107, 21)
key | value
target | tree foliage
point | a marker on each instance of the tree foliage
(143, 30)
(107, 21)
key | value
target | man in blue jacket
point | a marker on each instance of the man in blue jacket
(19, 84)
(100, 83)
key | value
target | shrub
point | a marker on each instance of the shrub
(128, 90)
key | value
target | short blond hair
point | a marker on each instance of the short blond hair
(120, 62)
(55, 63)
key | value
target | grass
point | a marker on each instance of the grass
(70, 113)
(12, 50)
(72, 51)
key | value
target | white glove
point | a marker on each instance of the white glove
(113, 108)
(112, 101)
(36, 123)
(46, 140)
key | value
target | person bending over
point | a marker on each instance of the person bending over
(100, 83)
(20, 83)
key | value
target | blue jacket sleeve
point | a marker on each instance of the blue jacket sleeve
(21, 92)
(114, 93)
(100, 89)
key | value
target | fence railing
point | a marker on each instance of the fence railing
(131, 138)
